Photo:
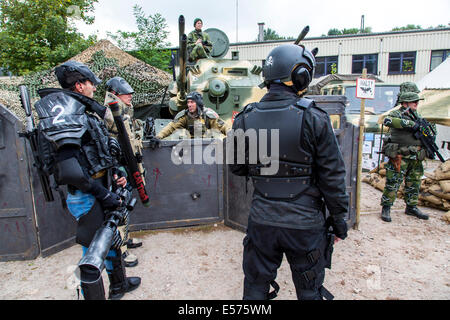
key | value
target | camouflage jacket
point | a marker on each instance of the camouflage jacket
(208, 119)
(194, 36)
(401, 140)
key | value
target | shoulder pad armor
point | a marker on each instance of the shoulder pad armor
(246, 109)
(210, 113)
(305, 103)
(179, 115)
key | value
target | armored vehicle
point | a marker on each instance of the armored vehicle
(227, 85)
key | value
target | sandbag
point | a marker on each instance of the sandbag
(438, 192)
(443, 171)
(445, 185)
(428, 197)
(446, 217)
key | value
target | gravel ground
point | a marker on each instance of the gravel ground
(405, 259)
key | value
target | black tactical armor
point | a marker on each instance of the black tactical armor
(287, 214)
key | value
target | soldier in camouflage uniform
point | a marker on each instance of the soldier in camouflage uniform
(119, 90)
(405, 154)
(198, 42)
(195, 116)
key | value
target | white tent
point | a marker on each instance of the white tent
(435, 88)
(439, 78)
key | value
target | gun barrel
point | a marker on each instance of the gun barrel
(302, 35)
(32, 139)
(137, 180)
(25, 99)
(181, 23)
(183, 57)
(92, 263)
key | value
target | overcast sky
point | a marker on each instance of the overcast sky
(286, 17)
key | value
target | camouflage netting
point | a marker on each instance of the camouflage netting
(106, 61)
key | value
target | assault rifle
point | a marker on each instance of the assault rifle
(31, 135)
(137, 181)
(106, 237)
(427, 135)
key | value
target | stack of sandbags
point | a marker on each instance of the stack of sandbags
(434, 190)
(377, 178)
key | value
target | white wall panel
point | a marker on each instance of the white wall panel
(422, 42)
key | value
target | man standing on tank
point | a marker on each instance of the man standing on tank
(287, 214)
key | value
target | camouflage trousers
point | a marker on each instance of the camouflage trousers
(198, 52)
(412, 172)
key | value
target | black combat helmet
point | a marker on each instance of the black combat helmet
(119, 86)
(290, 64)
(197, 97)
(72, 72)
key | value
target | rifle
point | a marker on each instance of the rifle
(106, 237)
(31, 135)
(426, 134)
(130, 158)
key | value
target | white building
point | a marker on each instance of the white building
(395, 57)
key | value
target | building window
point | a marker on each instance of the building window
(326, 65)
(437, 57)
(402, 62)
(369, 61)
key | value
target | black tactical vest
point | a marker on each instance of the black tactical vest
(63, 121)
(294, 176)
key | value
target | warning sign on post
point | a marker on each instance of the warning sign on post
(365, 88)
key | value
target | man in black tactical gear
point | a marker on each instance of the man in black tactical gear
(76, 149)
(287, 214)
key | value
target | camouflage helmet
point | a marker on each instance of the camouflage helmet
(119, 85)
(409, 92)
(408, 97)
(71, 72)
(197, 97)
(409, 87)
(290, 64)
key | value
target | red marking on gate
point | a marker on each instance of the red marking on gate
(157, 173)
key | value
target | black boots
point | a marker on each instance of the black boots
(414, 211)
(386, 214)
(119, 283)
(410, 210)
(133, 243)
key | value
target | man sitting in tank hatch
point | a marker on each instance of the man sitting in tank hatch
(198, 42)
(195, 119)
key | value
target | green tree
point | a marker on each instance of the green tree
(37, 35)
(336, 32)
(270, 34)
(148, 42)
(407, 27)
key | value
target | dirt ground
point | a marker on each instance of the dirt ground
(405, 259)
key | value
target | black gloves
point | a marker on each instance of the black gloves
(339, 227)
(108, 199)
(413, 129)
